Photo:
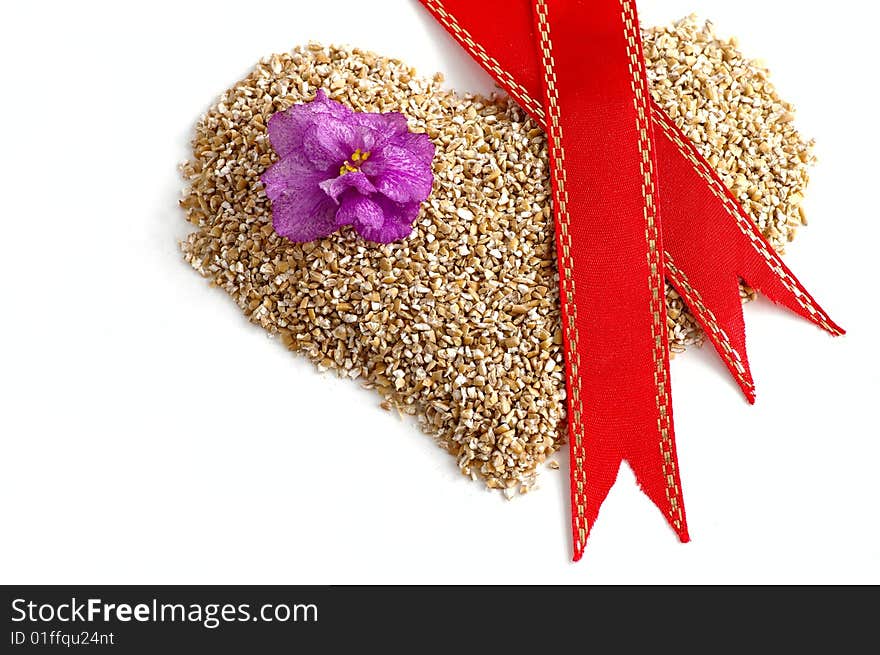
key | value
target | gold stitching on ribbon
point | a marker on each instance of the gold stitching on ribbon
(555, 139)
(480, 53)
(746, 226)
(660, 119)
(707, 317)
(655, 263)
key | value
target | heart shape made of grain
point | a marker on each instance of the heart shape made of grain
(459, 324)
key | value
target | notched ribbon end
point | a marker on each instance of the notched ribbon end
(578, 542)
(678, 525)
(833, 328)
(682, 532)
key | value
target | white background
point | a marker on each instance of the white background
(151, 435)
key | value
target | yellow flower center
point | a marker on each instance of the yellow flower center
(353, 164)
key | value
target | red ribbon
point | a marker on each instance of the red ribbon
(619, 164)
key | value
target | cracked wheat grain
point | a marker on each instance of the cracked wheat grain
(459, 324)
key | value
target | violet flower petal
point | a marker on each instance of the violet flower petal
(323, 104)
(326, 143)
(287, 128)
(418, 144)
(377, 218)
(355, 180)
(302, 211)
(387, 171)
(289, 221)
(399, 174)
(381, 128)
(360, 211)
(398, 223)
(290, 172)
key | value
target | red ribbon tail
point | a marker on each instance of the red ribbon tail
(610, 256)
(602, 468)
(613, 153)
(697, 184)
(725, 327)
(500, 50)
(706, 265)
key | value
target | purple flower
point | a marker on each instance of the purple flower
(339, 167)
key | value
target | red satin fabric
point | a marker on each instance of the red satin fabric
(610, 256)
(620, 166)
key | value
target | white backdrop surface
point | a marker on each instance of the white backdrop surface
(149, 434)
